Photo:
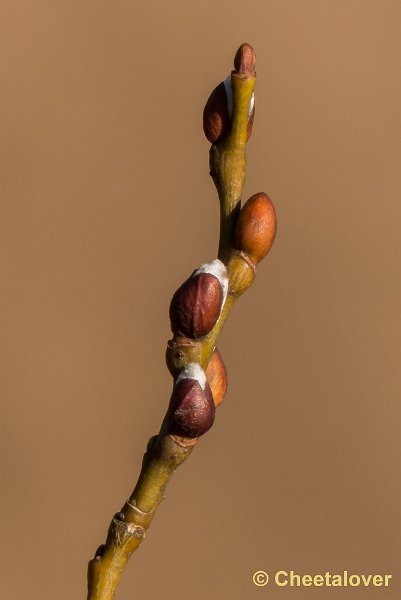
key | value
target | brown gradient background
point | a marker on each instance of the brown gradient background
(107, 206)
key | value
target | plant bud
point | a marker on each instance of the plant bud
(256, 227)
(244, 61)
(218, 112)
(191, 412)
(216, 376)
(196, 305)
(216, 118)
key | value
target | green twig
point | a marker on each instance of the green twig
(166, 451)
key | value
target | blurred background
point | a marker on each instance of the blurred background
(107, 206)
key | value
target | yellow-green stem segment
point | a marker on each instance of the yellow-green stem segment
(165, 452)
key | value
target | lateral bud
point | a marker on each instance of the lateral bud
(216, 375)
(196, 305)
(191, 411)
(256, 227)
(218, 112)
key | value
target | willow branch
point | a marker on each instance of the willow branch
(227, 125)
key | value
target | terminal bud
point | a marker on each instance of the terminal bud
(244, 61)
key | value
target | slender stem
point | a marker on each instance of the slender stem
(228, 163)
(166, 452)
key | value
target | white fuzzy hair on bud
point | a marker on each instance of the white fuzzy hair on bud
(251, 104)
(193, 371)
(230, 102)
(219, 270)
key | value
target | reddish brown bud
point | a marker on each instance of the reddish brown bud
(217, 113)
(216, 118)
(256, 227)
(196, 305)
(191, 411)
(216, 376)
(244, 61)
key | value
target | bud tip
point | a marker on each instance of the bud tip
(244, 61)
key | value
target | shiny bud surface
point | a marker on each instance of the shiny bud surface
(191, 411)
(196, 305)
(244, 61)
(256, 227)
(216, 375)
(216, 118)
(217, 113)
